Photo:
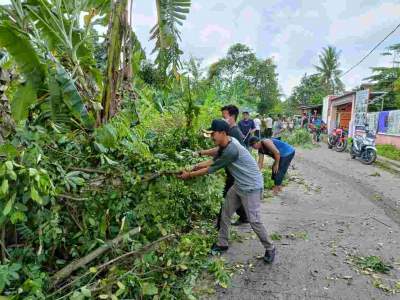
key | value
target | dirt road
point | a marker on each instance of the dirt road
(334, 207)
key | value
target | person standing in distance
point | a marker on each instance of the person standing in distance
(269, 122)
(257, 124)
(246, 126)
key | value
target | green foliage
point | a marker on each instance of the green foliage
(299, 137)
(387, 79)
(268, 181)
(60, 213)
(275, 236)
(32, 70)
(309, 91)
(171, 14)
(371, 263)
(245, 80)
(389, 151)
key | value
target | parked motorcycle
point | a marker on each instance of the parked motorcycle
(363, 147)
(338, 140)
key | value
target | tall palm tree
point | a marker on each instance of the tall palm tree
(329, 71)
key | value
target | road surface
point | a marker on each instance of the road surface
(334, 207)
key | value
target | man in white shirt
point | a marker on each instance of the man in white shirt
(268, 122)
(257, 123)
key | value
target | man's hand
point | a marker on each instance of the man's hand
(184, 175)
(275, 167)
(197, 167)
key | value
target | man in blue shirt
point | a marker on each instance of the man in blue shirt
(247, 127)
(281, 152)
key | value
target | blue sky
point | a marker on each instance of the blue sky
(291, 31)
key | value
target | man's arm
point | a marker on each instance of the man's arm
(260, 161)
(192, 174)
(209, 152)
(201, 165)
(212, 166)
(275, 152)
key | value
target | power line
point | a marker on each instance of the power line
(372, 50)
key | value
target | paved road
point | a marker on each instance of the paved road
(333, 207)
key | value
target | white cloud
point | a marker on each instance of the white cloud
(144, 20)
(364, 24)
(215, 30)
(196, 7)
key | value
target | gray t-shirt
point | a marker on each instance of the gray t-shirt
(241, 165)
(235, 132)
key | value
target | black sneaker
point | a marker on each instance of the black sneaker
(269, 255)
(218, 249)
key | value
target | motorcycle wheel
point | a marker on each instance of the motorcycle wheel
(368, 157)
(341, 146)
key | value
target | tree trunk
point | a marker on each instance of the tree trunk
(113, 74)
(7, 125)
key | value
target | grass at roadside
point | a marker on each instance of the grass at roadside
(389, 151)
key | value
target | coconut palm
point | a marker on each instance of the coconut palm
(329, 71)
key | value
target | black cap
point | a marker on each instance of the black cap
(253, 140)
(218, 125)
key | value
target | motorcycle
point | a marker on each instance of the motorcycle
(338, 139)
(363, 147)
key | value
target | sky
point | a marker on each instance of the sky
(293, 32)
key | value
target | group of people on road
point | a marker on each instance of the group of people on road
(244, 185)
(264, 126)
(314, 124)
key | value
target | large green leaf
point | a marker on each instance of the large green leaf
(65, 88)
(29, 65)
(20, 48)
(170, 13)
(23, 98)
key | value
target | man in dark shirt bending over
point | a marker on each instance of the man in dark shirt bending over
(230, 114)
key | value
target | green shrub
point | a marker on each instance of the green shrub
(298, 137)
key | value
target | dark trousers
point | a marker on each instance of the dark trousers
(268, 132)
(229, 181)
(284, 163)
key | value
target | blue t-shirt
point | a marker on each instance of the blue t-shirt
(284, 148)
(317, 122)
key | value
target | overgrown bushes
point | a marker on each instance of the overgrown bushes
(64, 195)
(298, 137)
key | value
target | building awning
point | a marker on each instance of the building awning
(342, 101)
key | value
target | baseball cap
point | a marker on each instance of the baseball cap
(217, 125)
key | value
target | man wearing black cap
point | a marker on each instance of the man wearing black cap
(229, 113)
(247, 189)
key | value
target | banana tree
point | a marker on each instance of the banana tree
(170, 15)
(119, 55)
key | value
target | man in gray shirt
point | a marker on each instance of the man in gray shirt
(229, 113)
(247, 189)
